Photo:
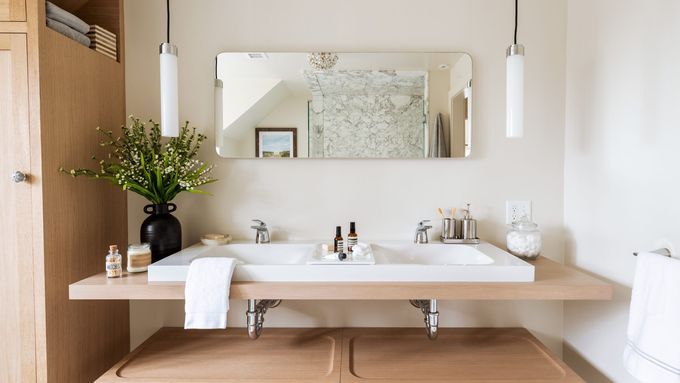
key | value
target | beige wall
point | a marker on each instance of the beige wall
(395, 194)
(621, 161)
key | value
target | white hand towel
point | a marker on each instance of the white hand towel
(206, 293)
(652, 353)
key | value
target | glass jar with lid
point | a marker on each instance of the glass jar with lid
(138, 257)
(524, 239)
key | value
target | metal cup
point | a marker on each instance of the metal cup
(448, 228)
(458, 228)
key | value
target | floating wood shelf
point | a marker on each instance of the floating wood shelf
(553, 282)
(356, 355)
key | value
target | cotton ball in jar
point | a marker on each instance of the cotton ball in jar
(524, 240)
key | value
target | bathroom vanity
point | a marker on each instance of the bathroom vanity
(552, 281)
(279, 271)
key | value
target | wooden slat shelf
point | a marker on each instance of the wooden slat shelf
(353, 355)
(553, 282)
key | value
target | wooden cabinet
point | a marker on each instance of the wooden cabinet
(12, 10)
(55, 230)
(329, 355)
(17, 332)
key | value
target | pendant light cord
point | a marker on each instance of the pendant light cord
(515, 40)
(167, 8)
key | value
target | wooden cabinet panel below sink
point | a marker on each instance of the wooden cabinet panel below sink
(457, 355)
(341, 355)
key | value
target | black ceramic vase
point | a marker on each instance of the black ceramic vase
(162, 230)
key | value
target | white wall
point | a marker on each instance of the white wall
(621, 167)
(396, 193)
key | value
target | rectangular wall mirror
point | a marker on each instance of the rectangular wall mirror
(343, 105)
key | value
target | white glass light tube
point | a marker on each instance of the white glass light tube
(514, 87)
(169, 91)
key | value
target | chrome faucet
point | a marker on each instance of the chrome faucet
(262, 235)
(421, 232)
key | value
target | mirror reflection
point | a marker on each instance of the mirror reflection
(343, 105)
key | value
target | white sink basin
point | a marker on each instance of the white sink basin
(395, 261)
(430, 254)
(268, 254)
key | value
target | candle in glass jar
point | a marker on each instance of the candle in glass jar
(138, 257)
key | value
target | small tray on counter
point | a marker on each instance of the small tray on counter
(319, 258)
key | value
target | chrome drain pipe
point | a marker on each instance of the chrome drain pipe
(429, 309)
(255, 315)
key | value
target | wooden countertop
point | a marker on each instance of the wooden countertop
(553, 282)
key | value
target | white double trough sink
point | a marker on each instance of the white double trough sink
(395, 261)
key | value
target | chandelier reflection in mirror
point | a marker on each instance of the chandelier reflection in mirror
(322, 60)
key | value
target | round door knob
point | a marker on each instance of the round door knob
(18, 176)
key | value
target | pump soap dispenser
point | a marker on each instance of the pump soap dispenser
(469, 225)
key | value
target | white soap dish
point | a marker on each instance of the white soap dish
(215, 239)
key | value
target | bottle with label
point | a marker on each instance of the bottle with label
(338, 242)
(352, 237)
(114, 263)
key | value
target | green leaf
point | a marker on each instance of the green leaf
(140, 157)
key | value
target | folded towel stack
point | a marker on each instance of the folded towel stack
(67, 24)
(103, 41)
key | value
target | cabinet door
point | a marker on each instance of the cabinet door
(12, 10)
(17, 329)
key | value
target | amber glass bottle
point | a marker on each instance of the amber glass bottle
(352, 237)
(338, 242)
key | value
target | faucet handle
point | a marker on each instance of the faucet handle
(260, 225)
(422, 226)
(262, 234)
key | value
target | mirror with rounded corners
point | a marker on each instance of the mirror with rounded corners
(343, 105)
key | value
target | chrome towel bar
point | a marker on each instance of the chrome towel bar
(663, 251)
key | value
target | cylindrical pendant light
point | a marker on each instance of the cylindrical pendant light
(514, 88)
(169, 91)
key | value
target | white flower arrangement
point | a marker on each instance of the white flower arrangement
(139, 162)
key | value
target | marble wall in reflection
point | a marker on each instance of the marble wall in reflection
(367, 114)
(368, 126)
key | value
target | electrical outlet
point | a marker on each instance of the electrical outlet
(514, 210)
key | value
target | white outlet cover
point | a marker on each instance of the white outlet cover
(514, 210)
